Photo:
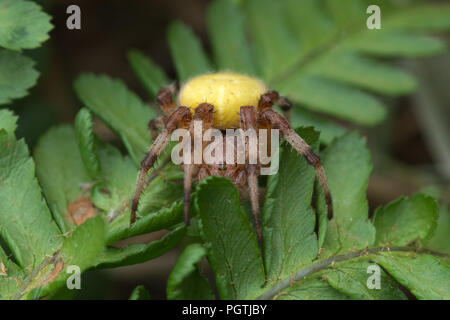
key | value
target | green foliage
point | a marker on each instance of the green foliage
(187, 52)
(439, 239)
(233, 251)
(346, 157)
(23, 25)
(294, 267)
(426, 276)
(80, 177)
(230, 49)
(185, 281)
(118, 107)
(85, 139)
(26, 223)
(39, 249)
(288, 219)
(17, 76)
(350, 278)
(61, 172)
(152, 76)
(70, 203)
(139, 293)
(305, 48)
(406, 220)
(139, 253)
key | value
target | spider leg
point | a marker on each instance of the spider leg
(165, 98)
(270, 98)
(187, 190)
(205, 113)
(155, 124)
(271, 117)
(181, 117)
(248, 116)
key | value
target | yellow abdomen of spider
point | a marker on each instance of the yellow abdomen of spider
(227, 91)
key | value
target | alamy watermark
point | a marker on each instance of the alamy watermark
(73, 22)
(374, 281)
(74, 280)
(237, 147)
(374, 20)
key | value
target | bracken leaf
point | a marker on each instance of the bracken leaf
(287, 217)
(406, 220)
(121, 109)
(347, 165)
(231, 243)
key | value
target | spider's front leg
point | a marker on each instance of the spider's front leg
(270, 118)
(249, 121)
(271, 98)
(180, 118)
(168, 106)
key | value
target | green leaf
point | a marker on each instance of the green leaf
(23, 25)
(351, 277)
(118, 181)
(406, 220)
(85, 243)
(151, 75)
(348, 166)
(362, 72)
(140, 252)
(163, 219)
(26, 223)
(439, 239)
(311, 289)
(85, 139)
(17, 75)
(420, 18)
(340, 101)
(426, 276)
(329, 130)
(187, 52)
(61, 173)
(121, 109)
(274, 48)
(11, 276)
(185, 281)
(113, 194)
(287, 217)
(139, 293)
(81, 248)
(309, 24)
(346, 13)
(231, 243)
(390, 43)
(226, 30)
(8, 122)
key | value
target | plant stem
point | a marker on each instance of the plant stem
(323, 264)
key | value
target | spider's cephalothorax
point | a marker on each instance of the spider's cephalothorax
(223, 101)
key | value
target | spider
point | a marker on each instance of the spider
(223, 100)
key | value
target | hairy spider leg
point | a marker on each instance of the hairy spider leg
(180, 118)
(271, 117)
(167, 105)
(205, 113)
(248, 121)
(165, 98)
(270, 98)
